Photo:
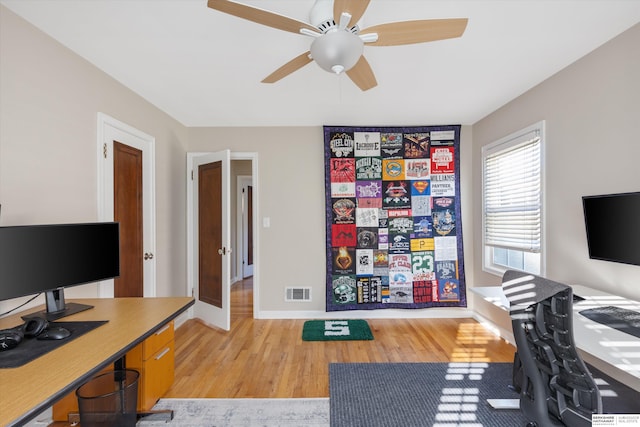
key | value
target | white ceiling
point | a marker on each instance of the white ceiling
(204, 67)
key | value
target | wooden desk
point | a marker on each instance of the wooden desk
(28, 390)
(614, 352)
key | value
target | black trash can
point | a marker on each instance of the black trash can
(109, 399)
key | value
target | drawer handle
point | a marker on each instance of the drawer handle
(161, 355)
(163, 330)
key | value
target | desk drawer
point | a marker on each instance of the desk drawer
(157, 341)
(158, 376)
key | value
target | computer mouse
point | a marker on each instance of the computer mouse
(54, 333)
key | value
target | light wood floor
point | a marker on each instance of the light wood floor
(268, 359)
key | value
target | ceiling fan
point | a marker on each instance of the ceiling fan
(338, 42)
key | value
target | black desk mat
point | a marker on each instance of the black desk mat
(618, 318)
(32, 348)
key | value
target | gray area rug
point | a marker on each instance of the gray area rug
(244, 412)
(441, 395)
(387, 395)
(420, 394)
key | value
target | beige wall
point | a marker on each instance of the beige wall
(592, 113)
(49, 100)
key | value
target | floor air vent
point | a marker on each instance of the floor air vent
(297, 294)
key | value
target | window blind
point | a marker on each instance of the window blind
(512, 195)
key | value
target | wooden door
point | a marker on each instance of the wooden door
(128, 211)
(212, 239)
(210, 233)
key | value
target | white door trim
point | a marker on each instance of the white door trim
(110, 129)
(256, 232)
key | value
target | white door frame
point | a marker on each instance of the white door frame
(110, 129)
(242, 197)
(256, 233)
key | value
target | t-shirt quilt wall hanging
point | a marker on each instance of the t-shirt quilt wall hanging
(393, 223)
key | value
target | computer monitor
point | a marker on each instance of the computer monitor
(612, 223)
(50, 258)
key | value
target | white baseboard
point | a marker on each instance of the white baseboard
(501, 332)
(430, 313)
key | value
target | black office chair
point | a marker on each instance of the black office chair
(555, 386)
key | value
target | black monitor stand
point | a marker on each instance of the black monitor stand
(57, 308)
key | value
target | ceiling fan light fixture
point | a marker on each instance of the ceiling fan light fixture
(338, 44)
(337, 51)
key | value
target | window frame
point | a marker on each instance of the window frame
(503, 144)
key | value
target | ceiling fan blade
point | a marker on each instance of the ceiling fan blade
(288, 68)
(354, 7)
(408, 32)
(260, 16)
(362, 74)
